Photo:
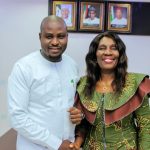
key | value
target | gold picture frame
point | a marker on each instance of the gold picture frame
(119, 17)
(66, 10)
(91, 16)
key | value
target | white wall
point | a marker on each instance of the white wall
(19, 28)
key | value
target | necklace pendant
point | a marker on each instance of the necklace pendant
(104, 88)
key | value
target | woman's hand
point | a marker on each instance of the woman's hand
(74, 146)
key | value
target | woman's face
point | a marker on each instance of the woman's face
(107, 54)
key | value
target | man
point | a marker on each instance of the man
(66, 14)
(92, 20)
(41, 91)
(119, 21)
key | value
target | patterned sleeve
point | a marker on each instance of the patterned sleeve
(143, 121)
(82, 129)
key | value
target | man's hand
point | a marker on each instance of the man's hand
(75, 115)
(65, 145)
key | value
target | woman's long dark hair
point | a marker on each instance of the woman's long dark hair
(93, 69)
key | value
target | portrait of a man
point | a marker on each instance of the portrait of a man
(65, 11)
(118, 18)
(91, 16)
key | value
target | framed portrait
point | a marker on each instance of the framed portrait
(67, 10)
(91, 16)
(119, 17)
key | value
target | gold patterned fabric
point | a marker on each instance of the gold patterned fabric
(122, 134)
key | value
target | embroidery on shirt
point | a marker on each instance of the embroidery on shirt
(72, 82)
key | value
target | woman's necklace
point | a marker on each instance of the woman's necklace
(104, 87)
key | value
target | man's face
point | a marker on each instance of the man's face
(119, 13)
(53, 38)
(64, 13)
(92, 14)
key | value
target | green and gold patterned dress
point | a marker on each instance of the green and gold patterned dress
(117, 121)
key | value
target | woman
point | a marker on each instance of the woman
(115, 102)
